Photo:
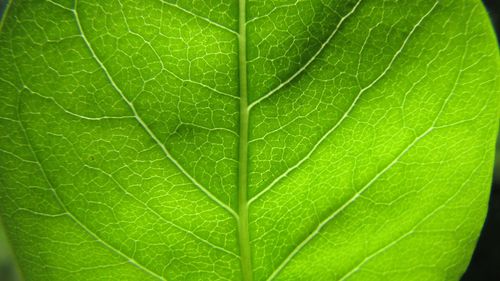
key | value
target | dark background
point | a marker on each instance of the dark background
(485, 264)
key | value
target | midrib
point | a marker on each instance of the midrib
(244, 243)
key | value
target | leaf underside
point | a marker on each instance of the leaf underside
(259, 140)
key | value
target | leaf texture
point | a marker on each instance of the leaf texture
(246, 140)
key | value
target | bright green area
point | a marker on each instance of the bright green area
(276, 140)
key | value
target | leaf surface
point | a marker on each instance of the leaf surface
(250, 140)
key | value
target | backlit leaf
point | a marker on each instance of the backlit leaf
(246, 140)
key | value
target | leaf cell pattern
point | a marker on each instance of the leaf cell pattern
(246, 140)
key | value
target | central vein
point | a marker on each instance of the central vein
(244, 241)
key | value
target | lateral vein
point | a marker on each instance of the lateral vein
(76, 219)
(345, 115)
(143, 124)
(311, 60)
(198, 16)
(324, 222)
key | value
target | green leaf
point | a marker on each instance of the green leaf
(259, 140)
